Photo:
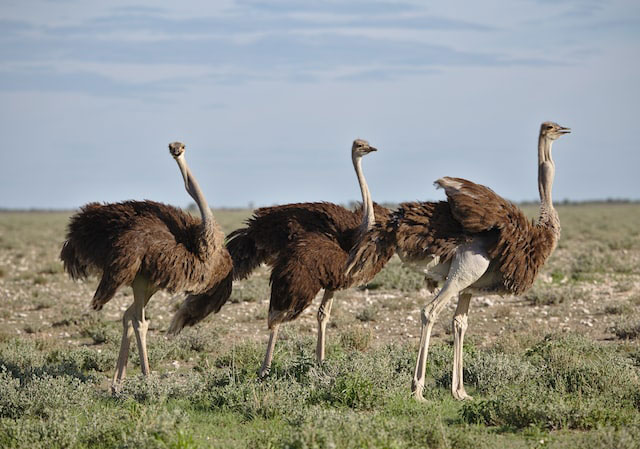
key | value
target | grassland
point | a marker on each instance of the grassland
(557, 367)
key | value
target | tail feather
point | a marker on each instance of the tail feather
(370, 253)
(73, 265)
(106, 290)
(244, 252)
(195, 308)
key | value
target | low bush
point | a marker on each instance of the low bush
(628, 328)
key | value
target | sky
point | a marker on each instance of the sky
(269, 95)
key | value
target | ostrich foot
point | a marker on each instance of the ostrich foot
(461, 395)
(116, 387)
(418, 397)
(264, 372)
(416, 391)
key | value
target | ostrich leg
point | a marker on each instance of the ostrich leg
(123, 357)
(266, 364)
(428, 315)
(324, 312)
(468, 265)
(142, 291)
(459, 328)
(133, 322)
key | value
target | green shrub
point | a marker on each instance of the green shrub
(575, 364)
(567, 382)
(354, 391)
(628, 329)
(101, 332)
(243, 360)
(521, 408)
(199, 340)
(156, 389)
(82, 359)
(40, 396)
(135, 426)
(491, 371)
(20, 356)
(357, 338)
(367, 314)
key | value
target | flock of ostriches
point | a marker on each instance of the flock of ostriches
(474, 242)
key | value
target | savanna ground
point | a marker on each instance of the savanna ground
(556, 367)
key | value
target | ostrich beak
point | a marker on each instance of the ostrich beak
(371, 149)
(563, 130)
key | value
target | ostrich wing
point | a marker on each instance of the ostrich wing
(476, 207)
(520, 248)
(311, 262)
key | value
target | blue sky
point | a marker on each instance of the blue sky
(268, 96)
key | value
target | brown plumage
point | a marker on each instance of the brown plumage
(271, 229)
(307, 246)
(474, 242)
(518, 246)
(417, 230)
(150, 246)
(121, 240)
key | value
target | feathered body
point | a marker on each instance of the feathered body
(517, 246)
(306, 245)
(425, 234)
(119, 241)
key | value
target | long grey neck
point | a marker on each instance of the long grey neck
(546, 173)
(193, 189)
(368, 217)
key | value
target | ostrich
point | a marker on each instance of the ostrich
(307, 246)
(149, 246)
(476, 242)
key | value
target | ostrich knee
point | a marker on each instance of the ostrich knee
(324, 312)
(460, 324)
(428, 315)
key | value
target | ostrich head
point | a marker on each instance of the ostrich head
(361, 147)
(552, 131)
(176, 149)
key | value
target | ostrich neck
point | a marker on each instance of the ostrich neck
(193, 189)
(368, 217)
(197, 195)
(546, 172)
